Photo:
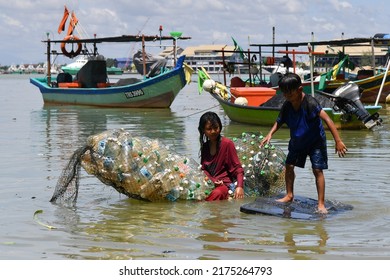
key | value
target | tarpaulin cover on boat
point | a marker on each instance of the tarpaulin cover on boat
(154, 64)
(92, 73)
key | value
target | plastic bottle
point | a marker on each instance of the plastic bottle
(145, 172)
(174, 194)
(108, 163)
(101, 147)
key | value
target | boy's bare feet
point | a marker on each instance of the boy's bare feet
(322, 210)
(286, 198)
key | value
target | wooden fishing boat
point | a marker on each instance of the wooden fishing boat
(370, 87)
(374, 84)
(90, 86)
(346, 108)
(266, 115)
(261, 105)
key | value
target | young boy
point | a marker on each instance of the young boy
(303, 114)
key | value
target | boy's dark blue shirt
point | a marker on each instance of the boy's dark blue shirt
(306, 127)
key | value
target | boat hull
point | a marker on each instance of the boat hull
(266, 116)
(157, 92)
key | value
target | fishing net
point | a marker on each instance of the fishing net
(147, 169)
(67, 186)
(264, 166)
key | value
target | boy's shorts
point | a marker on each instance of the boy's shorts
(318, 157)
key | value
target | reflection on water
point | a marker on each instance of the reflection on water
(306, 240)
(82, 122)
(66, 128)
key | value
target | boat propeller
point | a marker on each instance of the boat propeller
(346, 99)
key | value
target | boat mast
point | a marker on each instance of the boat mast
(175, 35)
(273, 42)
(223, 63)
(143, 55)
(48, 68)
(383, 81)
(94, 46)
(261, 64)
(373, 55)
(174, 52)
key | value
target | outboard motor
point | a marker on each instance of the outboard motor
(347, 99)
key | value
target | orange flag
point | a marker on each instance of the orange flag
(61, 27)
(72, 23)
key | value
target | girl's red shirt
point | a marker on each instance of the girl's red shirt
(224, 165)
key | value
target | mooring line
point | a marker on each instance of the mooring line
(190, 115)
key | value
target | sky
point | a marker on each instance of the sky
(25, 23)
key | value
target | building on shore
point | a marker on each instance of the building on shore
(208, 56)
(362, 56)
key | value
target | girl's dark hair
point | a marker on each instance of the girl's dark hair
(289, 82)
(214, 119)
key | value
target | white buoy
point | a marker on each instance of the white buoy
(209, 85)
(241, 101)
(388, 99)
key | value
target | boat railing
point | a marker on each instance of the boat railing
(254, 62)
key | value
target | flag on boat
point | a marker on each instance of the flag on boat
(61, 27)
(72, 23)
(188, 70)
(202, 76)
(344, 62)
(238, 48)
(332, 74)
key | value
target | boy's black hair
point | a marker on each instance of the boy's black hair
(289, 82)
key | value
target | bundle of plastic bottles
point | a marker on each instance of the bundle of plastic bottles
(264, 166)
(148, 169)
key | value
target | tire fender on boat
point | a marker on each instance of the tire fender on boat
(72, 53)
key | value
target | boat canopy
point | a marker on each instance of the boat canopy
(342, 42)
(119, 39)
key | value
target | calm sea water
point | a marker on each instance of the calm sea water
(37, 141)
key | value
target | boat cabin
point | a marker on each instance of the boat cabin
(92, 75)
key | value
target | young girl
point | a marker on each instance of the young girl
(219, 160)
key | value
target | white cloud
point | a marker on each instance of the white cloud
(23, 24)
(340, 5)
(10, 22)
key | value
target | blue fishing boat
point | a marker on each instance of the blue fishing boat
(90, 86)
